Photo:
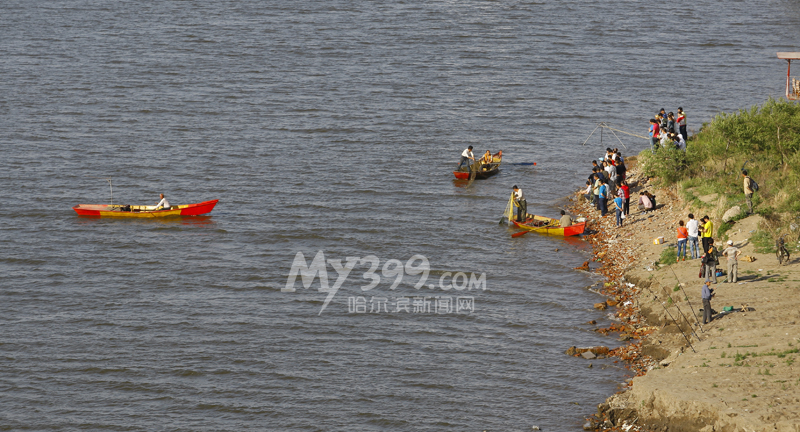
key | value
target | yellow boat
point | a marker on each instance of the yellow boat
(143, 211)
(549, 226)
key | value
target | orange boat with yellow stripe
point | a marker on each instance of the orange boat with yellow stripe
(143, 211)
(550, 226)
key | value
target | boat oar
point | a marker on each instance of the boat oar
(519, 234)
(524, 163)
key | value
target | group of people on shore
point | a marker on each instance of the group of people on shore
(709, 259)
(688, 235)
(608, 181)
(668, 128)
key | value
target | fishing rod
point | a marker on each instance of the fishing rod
(109, 185)
(673, 319)
(688, 301)
(691, 328)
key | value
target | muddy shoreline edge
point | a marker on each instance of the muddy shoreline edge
(683, 371)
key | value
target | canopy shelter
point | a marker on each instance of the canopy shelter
(792, 83)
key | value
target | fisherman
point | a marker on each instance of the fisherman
(706, 293)
(732, 253)
(566, 220)
(710, 262)
(521, 203)
(163, 204)
(466, 156)
(487, 158)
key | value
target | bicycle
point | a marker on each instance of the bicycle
(780, 250)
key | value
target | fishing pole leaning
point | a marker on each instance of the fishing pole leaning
(673, 319)
(688, 301)
(691, 328)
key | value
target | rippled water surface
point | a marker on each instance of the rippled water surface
(325, 126)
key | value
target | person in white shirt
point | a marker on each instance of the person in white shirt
(692, 227)
(521, 203)
(612, 173)
(163, 204)
(466, 156)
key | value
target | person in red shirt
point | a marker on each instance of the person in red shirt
(683, 235)
(626, 195)
(655, 132)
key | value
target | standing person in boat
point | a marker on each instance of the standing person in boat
(466, 156)
(566, 220)
(521, 203)
(163, 204)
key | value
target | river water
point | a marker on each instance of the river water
(333, 127)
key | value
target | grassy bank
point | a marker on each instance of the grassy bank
(764, 140)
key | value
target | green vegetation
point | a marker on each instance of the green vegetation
(763, 242)
(669, 256)
(764, 139)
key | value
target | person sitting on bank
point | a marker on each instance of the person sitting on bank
(466, 156)
(644, 202)
(163, 204)
(566, 220)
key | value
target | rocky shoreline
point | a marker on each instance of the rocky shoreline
(734, 374)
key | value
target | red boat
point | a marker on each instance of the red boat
(143, 211)
(481, 171)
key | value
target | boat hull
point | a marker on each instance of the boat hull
(550, 226)
(116, 211)
(479, 175)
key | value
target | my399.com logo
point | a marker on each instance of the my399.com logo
(417, 265)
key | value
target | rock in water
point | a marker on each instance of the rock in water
(588, 355)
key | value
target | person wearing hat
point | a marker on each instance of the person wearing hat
(732, 253)
(706, 293)
(521, 203)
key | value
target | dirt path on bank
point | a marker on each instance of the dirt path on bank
(741, 372)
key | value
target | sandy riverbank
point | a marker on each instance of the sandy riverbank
(739, 372)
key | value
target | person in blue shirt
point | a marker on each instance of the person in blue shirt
(603, 193)
(706, 294)
(619, 204)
